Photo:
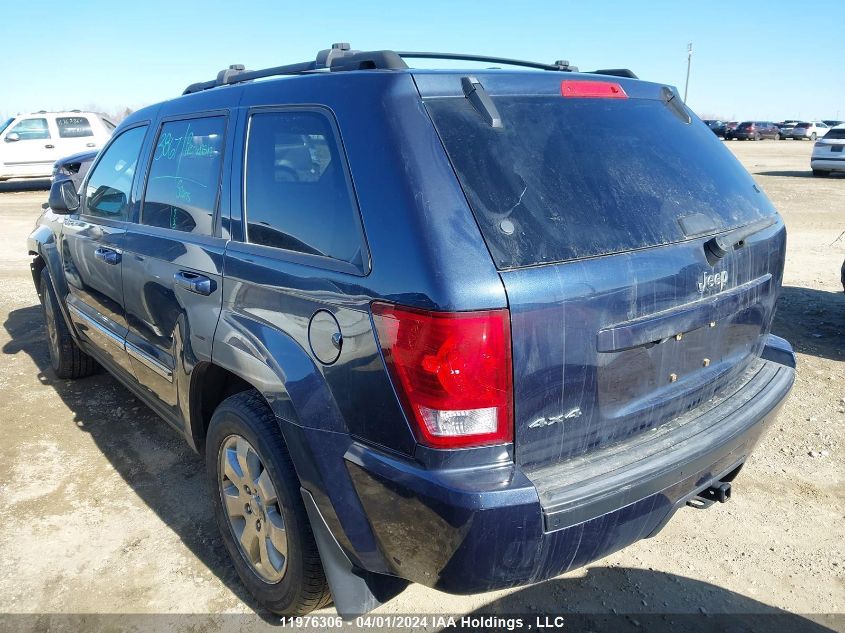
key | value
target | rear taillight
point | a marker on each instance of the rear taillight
(819, 144)
(592, 89)
(452, 371)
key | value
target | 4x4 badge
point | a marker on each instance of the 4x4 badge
(541, 422)
(713, 280)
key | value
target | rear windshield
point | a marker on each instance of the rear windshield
(564, 179)
(803, 124)
(836, 133)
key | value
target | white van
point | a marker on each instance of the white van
(31, 143)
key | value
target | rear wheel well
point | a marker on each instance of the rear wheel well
(211, 385)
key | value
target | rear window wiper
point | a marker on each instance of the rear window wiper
(481, 101)
(717, 247)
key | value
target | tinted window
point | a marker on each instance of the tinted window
(836, 133)
(31, 129)
(107, 193)
(297, 192)
(569, 178)
(73, 126)
(5, 124)
(185, 175)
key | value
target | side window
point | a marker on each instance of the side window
(73, 126)
(107, 192)
(184, 175)
(297, 193)
(30, 130)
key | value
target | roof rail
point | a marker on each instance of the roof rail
(341, 57)
(558, 65)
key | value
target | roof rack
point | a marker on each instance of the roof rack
(558, 65)
(341, 57)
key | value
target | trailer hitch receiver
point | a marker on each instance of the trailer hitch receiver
(720, 491)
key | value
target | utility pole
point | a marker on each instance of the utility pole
(689, 63)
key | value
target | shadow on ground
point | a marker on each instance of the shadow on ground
(12, 186)
(795, 174)
(813, 321)
(625, 599)
(152, 458)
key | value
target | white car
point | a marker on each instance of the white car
(809, 129)
(829, 152)
(31, 143)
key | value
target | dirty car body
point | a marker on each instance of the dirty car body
(618, 300)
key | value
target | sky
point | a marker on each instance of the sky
(770, 60)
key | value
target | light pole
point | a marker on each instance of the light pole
(689, 63)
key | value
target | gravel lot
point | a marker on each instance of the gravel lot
(105, 510)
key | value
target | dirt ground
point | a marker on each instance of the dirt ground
(105, 510)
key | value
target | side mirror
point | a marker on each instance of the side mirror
(63, 197)
(11, 137)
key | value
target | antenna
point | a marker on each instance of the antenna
(689, 63)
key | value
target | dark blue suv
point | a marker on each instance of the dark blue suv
(470, 329)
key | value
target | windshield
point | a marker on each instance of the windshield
(5, 124)
(564, 179)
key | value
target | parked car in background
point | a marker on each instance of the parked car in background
(832, 122)
(74, 167)
(829, 153)
(786, 128)
(730, 126)
(31, 143)
(717, 126)
(482, 366)
(809, 130)
(755, 130)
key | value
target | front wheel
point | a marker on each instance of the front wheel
(259, 507)
(66, 359)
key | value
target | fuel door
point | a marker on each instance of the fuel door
(324, 337)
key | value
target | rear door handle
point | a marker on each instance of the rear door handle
(108, 255)
(90, 145)
(48, 146)
(193, 282)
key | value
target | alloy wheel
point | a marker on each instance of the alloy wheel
(252, 506)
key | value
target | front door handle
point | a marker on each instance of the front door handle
(108, 255)
(90, 145)
(48, 146)
(193, 282)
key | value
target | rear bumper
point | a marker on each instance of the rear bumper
(468, 530)
(828, 164)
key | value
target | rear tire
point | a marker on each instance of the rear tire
(820, 173)
(280, 564)
(66, 359)
(813, 136)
